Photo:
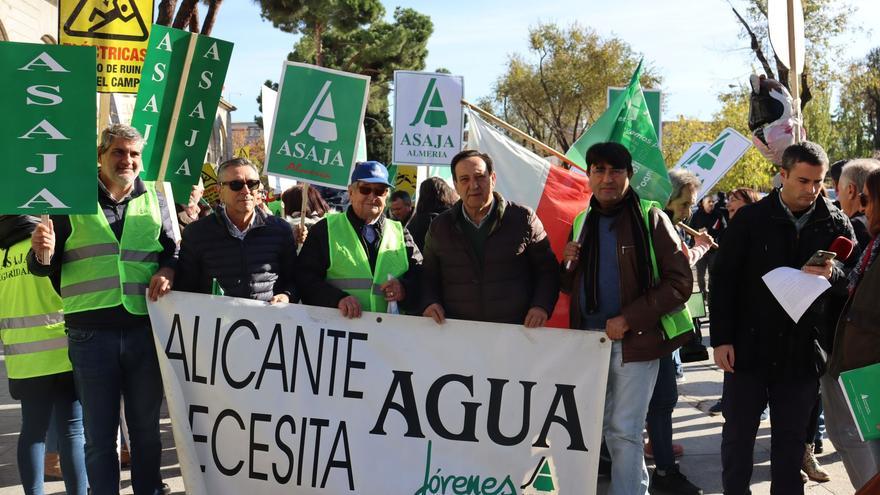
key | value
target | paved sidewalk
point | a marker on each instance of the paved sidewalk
(699, 433)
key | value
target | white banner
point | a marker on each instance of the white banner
(428, 119)
(712, 162)
(295, 399)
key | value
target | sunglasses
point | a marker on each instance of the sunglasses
(377, 191)
(863, 199)
(238, 185)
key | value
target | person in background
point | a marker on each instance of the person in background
(667, 477)
(712, 221)
(849, 189)
(435, 197)
(401, 208)
(316, 208)
(39, 371)
(736, 199)
(856, 344)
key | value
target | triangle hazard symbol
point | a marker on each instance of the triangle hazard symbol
(107, 19)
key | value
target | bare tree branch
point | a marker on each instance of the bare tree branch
(756, 46)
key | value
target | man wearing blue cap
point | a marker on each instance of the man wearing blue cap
(360, 260)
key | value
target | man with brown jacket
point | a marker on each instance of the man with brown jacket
(614, 288)
(487, 259)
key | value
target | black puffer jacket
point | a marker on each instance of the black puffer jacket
(745, 314)
(257, 267)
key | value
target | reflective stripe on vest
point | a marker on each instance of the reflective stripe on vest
(350, 268)
(31, 320)
(679, 320)
(100, 272)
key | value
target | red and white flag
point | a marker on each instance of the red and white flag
(557, 195)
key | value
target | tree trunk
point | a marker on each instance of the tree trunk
(211, 17)
(194, 19)
(166, 12)
(319, 45)
(181, 20)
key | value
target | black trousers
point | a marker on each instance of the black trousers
(791, 404)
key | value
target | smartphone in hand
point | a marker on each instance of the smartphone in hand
(820, 257)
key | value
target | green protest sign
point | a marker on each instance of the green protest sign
(48, 131)
(628, 122)
(176, 103)
(317, 124)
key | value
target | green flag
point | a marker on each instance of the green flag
(628, 122)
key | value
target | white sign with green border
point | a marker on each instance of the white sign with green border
(428, 119)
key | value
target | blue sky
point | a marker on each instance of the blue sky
(693, 44)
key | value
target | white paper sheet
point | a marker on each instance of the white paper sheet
(794, 289)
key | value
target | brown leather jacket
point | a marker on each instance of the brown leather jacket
(518, 272)
(645, 340)
(857, 339)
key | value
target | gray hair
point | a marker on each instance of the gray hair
(235, 163)
(857, 171)
(681, 178)
(122, 131)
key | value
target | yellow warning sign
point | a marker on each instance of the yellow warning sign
(209, 180)
(405, 180)
(118, 28)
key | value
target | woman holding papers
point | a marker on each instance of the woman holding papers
(856, 346)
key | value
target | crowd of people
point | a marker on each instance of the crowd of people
(78, 339)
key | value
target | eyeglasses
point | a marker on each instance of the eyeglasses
(238, 185)
(379, 191)
(863, 199)
(613, 172)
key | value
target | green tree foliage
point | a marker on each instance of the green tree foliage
(560, 88)
(858, 116)
(313, 18)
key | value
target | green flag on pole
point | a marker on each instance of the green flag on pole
(628, 122)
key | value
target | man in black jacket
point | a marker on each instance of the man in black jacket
(765, 354)
(240, 249)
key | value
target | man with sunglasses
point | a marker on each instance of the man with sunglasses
(360, 260)
(239, 250)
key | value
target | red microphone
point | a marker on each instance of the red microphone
(842, 247)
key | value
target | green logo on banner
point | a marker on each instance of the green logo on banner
(430, 109)
(542, 480)
(318, 119)
(320, 122)
(707, 159)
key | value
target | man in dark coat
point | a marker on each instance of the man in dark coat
(487, 259)
(765, 354)
(239, 250)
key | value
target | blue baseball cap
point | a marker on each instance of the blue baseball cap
(371, 172)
